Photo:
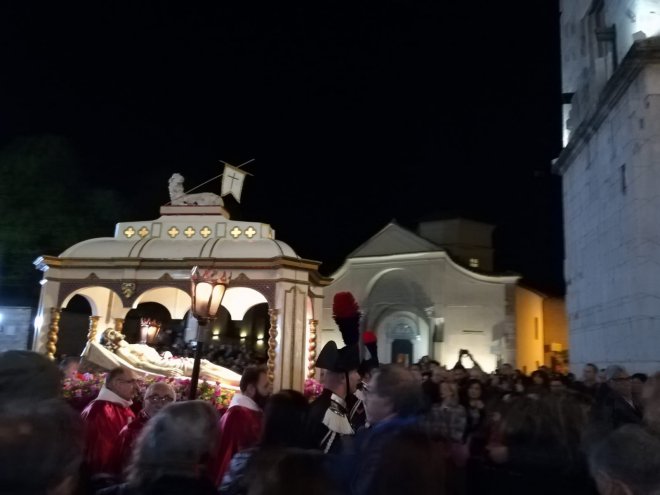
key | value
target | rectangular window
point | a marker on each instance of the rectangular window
(624, 183)
(474, 262)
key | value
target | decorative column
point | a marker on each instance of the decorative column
(272, 343)
(119, 325)
(311, 348)
(430, 321)
(93, 327)
(53, 330)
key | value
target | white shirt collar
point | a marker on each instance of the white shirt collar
(244, 401)
(338, 400)
(108, 395)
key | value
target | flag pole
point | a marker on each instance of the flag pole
(218, 176)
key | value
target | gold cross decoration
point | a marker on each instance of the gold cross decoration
(173, 232)
(189, 232)
(143, 232)
(250, 232)
(129, 232)
(205, 232)
(235, 232)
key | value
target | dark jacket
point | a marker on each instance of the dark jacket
(612, 411)
(234, 481)
(318, 434)
(360, 467)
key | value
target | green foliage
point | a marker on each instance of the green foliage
(45, 207)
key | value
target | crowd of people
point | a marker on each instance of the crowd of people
(235, 356)
(375, 429)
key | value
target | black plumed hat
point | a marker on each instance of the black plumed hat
(328, 358)
(346, 314)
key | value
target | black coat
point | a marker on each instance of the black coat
(612, 411)
(319, 436)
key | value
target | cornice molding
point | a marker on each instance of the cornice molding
(641, 54)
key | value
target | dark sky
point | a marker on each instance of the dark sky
(355, 113)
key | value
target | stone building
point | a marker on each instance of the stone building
(610, 168)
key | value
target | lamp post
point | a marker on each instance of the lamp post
(207, 288)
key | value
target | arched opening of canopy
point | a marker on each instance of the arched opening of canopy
(156, 313)
(74, 326)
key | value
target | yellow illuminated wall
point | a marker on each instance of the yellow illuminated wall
(529, 329)
(541, 329)
(555, 327)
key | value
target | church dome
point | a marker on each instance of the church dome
(185, 236)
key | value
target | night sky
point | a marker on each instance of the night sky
(356, 113)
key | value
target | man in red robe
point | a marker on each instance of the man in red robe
(104, 418)
(157, 396)
(240, 426)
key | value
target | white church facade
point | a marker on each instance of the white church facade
(610, 168)
(421, 302)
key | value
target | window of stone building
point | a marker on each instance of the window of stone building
(624, 184)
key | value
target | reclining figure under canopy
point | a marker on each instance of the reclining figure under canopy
(145, 360)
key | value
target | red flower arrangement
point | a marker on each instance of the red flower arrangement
(84, 388)
(312, 389)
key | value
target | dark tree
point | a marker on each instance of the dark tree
(46, 206)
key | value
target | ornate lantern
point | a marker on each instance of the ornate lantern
(207, 290)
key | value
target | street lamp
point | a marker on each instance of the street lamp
(207, 288)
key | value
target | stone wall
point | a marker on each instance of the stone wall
(15, 327)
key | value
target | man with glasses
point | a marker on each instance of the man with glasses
(157, 396)
(104, 418)
(392, 401)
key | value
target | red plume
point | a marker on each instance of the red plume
(344, 305)
(369, 337)
(346, 313)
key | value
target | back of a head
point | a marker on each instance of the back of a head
(251, 376)
(28, 375)
(553, 422)
(290, 472)
(68, 361)
(177, 441)
(613, 371)
(629, 456)
(285, 417)
(399, 385)
(41, 446)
